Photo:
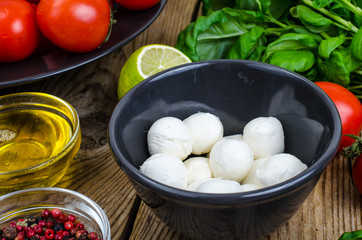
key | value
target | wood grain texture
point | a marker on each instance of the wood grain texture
(332, 208)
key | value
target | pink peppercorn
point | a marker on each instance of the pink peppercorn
(41, 223)
(58, 236)
(38, 229)
(80, 226)
(68, 225)
(30, 233)
(21, 234)
(12, 224)
(55, 213)
(49, 234)
(62, 218)
(71, 218)
(45, 213)
(93, 235)
(49, 224)
(19, 228)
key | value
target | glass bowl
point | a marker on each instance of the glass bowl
(39, 137)
(30, 202)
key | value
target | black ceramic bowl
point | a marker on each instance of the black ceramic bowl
(236, 91)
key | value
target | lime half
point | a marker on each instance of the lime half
(145, 62)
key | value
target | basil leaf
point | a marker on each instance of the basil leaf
(311, 74)
(214, 42)
(321, 3)
(187, 39)
(297, 61)
(328, 45)
(304, 30)
(336, 68)
(351, 235)
(247, 5)
(278, 8)
(313, 21)
(212, 36)
(356, 45)
(275, 8)
(290, 41)
(209, 6)
(246, 44)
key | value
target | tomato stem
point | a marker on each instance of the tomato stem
(355, 149)
(111, 22)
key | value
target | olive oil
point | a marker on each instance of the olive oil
(30, 137)
(37, 144)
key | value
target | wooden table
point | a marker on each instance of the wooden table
(332, 208)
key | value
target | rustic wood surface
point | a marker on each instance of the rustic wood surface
(332, 208)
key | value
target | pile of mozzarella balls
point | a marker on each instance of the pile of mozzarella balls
(193, 154)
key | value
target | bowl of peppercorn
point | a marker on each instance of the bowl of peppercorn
(51, 213)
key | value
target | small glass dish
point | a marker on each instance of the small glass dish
(39, 137)
(30, 202)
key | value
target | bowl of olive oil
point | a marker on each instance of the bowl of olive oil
(39, 137)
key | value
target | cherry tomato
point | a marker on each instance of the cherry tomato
(137, 4)
(357, 174)
(19, 34)
(74, 25)
(349, 108)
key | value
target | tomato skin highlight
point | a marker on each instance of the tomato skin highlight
(349, 108)
(357, 174)
(74, 25)
(19, 34)
(137, 5)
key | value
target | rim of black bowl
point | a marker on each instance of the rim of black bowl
(268, 193)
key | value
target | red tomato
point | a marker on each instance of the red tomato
(19, 34)
(34, 1)
(74, 25)
(349, 108)
(357, 174)
(137, 4)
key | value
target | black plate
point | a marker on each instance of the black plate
(129, 25)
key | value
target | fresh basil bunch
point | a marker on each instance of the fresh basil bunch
(320, 39)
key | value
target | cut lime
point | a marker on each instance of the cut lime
(145, 62)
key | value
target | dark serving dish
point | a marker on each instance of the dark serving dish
(47, 63)
(236, 91)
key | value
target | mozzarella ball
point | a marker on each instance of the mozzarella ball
(194, 185)
(249, 187)
(206, 129)
(198, 168)
(279, 168)
(265, 136)
(167, 169)
(251, 178)
(237, 136)
(231, 159)
(217, 185)
(169, 135)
